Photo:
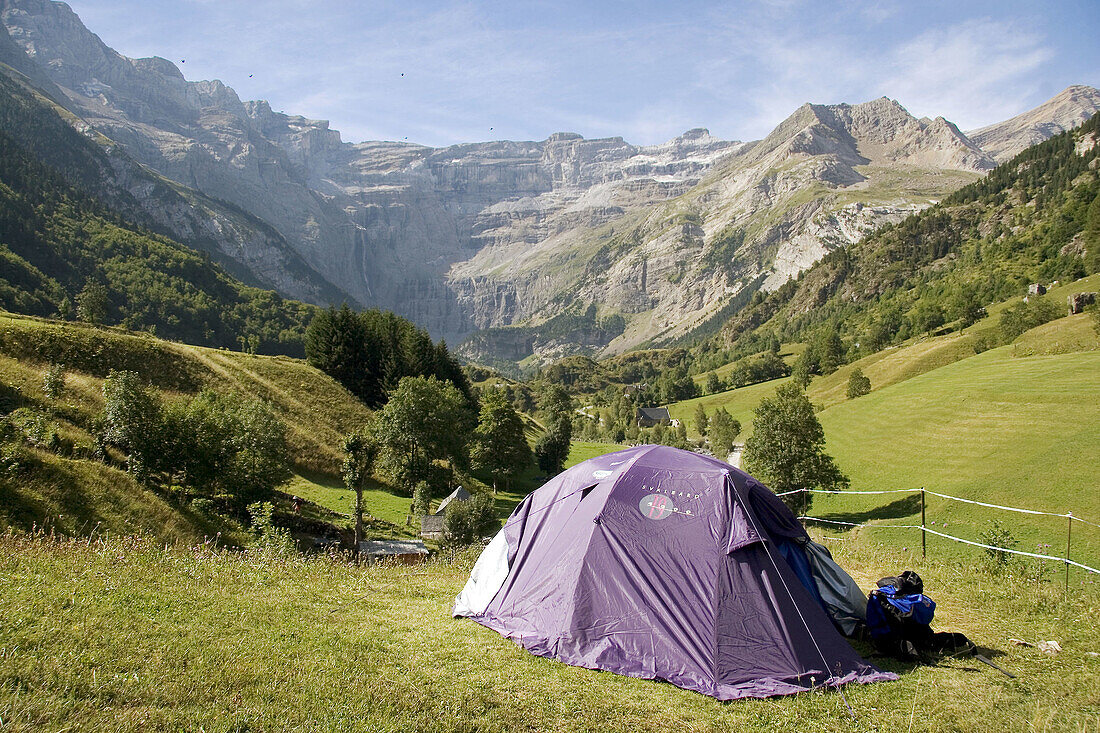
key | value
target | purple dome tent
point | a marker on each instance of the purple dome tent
(659, 563)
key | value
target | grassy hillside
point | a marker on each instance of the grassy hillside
(996, 428)
(1015, 425)
(914, 357)
(125, 635)
(73, 493)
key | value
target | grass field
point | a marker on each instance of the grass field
(126, 635)
(582, 451)
(996, 428)
(1016, 425)
(740, 403)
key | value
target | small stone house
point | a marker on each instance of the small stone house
(431, 525)
(649, 416)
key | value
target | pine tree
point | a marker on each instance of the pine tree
(701, 421)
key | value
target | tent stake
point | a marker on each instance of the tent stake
(923, 534)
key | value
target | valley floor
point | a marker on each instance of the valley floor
(125, 635)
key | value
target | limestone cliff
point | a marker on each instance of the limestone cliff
(508, 233)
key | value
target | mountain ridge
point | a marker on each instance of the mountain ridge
(475, 237)
(1067, 109)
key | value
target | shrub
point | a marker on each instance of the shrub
(998, 537)
(422, 499)
(465, 522)
(270, 538)
(1024, 316)
(39, 430)
(132, 417)
(204, 506)
(858, 384)
(53, 383)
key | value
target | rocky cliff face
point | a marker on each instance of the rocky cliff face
(491, 235)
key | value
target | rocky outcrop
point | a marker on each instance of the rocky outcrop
(1068, 109)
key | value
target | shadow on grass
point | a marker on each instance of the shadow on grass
(897, 509)
(900, 667)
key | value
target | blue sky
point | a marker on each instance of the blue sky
(445, 72)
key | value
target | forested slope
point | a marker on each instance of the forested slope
(1035, 219)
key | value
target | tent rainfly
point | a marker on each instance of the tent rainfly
(659, 563)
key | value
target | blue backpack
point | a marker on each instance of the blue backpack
(899, 616)
(888, 609)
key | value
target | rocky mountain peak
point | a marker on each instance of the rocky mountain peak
(52, 34)
(158, 65)
(1064, 111)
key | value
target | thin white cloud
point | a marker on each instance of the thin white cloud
(973, 73)
(601, 70)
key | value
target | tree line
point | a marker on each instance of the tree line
(369, 352)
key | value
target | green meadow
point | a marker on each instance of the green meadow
(130, 635)
(1017, 425)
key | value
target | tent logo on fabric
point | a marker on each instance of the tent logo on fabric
(656, 506)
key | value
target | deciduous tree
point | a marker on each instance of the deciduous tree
(552, 449)
(360, 452)
(499, 445)
(723, 432)
(858, 384)
(787, 446)
(423, 420)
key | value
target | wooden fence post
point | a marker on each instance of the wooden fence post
(923, 535)
(1069, 533)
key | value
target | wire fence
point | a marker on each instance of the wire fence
(923, 527)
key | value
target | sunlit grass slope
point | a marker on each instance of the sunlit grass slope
(1016, 425)
(75, 495)
(126, 636)
(1021, 431)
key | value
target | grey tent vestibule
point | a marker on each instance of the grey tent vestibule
(659, 563)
